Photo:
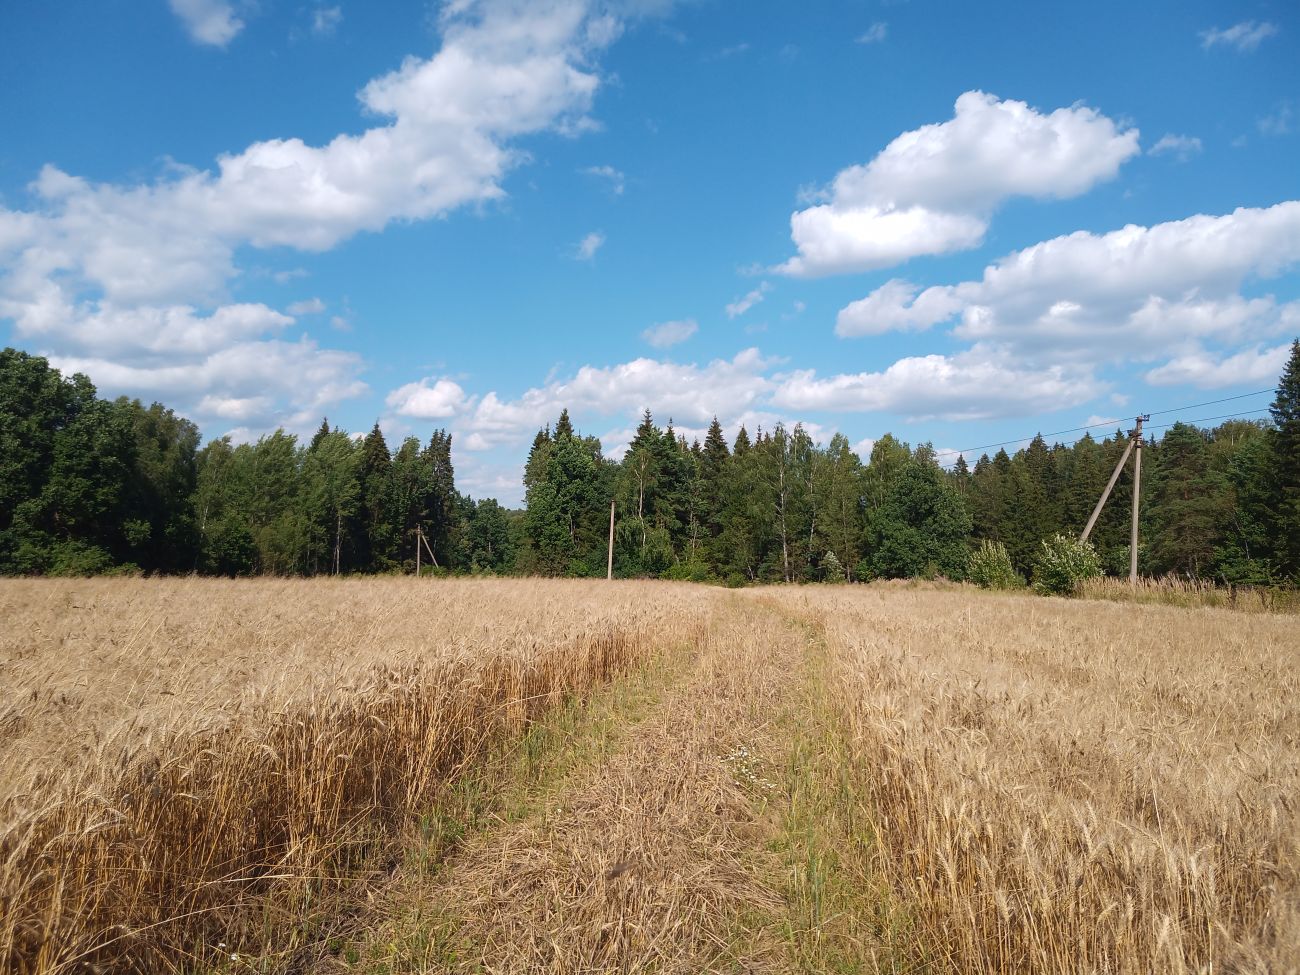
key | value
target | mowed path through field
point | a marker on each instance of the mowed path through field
(675, 849)
(552, 777)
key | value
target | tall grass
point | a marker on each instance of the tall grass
(1073, 786)
(190, 762)
(1171, 590)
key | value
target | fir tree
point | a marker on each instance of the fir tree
(1285, 439)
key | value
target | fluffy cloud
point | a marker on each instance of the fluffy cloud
(1255, 365)
(895, 307)
(208, 21)
(424, 401)
(932, 190)
(973, 385)
(1244, 37)
(264, 383)
(667, 334)
(742, 305)
(129, 280)
(1133, 293)
(687, 392)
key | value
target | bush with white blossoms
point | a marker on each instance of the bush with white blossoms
(832, 570)
(1063, 563)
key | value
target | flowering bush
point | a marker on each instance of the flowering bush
(1063, 563)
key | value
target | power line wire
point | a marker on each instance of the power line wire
(1106, 423)
(1161, 426)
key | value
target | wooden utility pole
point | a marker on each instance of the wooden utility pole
(419, 536)
(1135, 448)
(1137, 491)
(609, 566)
(1110, 485)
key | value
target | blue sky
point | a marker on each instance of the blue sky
(955, 222)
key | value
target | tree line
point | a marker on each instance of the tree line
(91, 485)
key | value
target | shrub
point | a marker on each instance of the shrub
(832, 570)
(990, 567)
(689, 571)
(1064, 562)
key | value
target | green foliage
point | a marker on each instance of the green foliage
(689, 572)
(88, 486)
(990, 567)
(1063, 562)
(1285, 468)
(922, 528)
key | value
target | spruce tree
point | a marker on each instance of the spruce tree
(1285, 440)
(322, 432)
(373, 535)
(442, 515)
(1185, 498)
(712, 488)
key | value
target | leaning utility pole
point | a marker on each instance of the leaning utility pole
(1137, 490)
(609, 566)
(421, 541)
(1135, 448)
(1110, 485)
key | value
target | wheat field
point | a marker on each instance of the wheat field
(397, 775)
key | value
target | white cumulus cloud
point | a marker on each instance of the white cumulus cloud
(932, 190)
(972, 385)
(1131, 294)
(133, 279)
(1255, 365)
(429, 400)
(686, 392)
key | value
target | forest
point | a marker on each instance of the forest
(90, 485)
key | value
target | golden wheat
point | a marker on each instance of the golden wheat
(175, 751)
(873, 778)
(1059, 786)
(1174, 590)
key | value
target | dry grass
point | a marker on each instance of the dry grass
(183, 757)
(1059, 786)
(1173, 590)
(830, 779)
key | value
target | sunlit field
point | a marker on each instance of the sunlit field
(476, 775)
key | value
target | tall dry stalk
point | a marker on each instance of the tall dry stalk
(1174, 590)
